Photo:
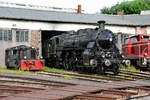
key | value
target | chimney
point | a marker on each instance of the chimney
(101, 25)
(120, 13)
(79, 9)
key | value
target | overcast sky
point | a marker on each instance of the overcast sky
(89, 6)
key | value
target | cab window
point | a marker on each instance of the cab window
(145, 38)
(33, 54)
(126, 41)
(14, 52)
(134, 39)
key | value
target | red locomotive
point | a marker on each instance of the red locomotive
(137, 49)
(24, 58)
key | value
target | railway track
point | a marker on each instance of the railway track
(35, 84)
(137, 75)
(29, 88)
(30, 82)
(122, 76)
(94, 78)
(133, 75)
(77, 76)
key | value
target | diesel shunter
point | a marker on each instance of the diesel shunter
(23, 57)
(137, 49)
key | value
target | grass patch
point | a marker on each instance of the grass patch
(67, 77)
(15, 71)
(130, 68)
(50, 69)
(111, 74)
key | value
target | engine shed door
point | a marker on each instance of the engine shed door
(47, 45)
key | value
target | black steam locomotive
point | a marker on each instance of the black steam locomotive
(93, 49)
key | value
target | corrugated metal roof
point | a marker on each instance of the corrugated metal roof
(50, 16)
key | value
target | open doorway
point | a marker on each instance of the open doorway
(45, 36)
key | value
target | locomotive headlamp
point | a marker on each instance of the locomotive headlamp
(41, 57)
(145, 54)
(93, 62)
(108, 54)
(110, 39)
(25, 57)
(122, 56)
(107, 62)
(127, 62)
(103, 55)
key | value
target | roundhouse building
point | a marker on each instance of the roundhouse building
(32, 27)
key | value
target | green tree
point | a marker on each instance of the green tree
(129, 7)
(147, 1)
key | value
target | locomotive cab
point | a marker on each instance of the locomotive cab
(24, 58)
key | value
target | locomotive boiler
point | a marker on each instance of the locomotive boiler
(92, 49)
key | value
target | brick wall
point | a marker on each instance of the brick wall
(34, 41)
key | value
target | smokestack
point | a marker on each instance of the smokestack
(101, 25)
(79, 9)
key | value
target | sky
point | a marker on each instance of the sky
(89, 6)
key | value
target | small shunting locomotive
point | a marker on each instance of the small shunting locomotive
(92, 49)
(137, 49)
(23, 57)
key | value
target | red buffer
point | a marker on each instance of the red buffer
(32, 64)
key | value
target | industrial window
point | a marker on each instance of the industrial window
(5, 35)
(22, 36)
(146, 38)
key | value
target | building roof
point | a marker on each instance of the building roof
(51, 16)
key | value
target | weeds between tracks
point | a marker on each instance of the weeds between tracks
(68, 74)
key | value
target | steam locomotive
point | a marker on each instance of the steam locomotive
(93, 49)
